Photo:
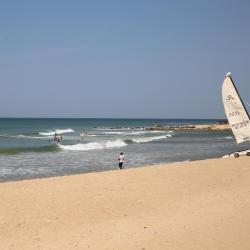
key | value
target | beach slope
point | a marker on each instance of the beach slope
(191, 205)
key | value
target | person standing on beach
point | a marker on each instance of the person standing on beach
(121, 160)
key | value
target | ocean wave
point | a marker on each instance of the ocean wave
(114, 133)
(30, 137)
(225, 137)
(18, 150)
(24, 136)
(135, 132)
(158, 131)
(58, 131)
(118, 128)
(149, 139)
(93, 145)
(151, 132)
(125, 133)
(129, 141)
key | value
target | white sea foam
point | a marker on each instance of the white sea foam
(58, 131)
(155, 131)
(228, 137)
(125, 133)
(93, 145)
(149, 139)
(112, 129)
(114, 133)
(147, 132)
(135, 132)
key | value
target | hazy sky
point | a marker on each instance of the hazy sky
(136, 59)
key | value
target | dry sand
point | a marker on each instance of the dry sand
(193, 205)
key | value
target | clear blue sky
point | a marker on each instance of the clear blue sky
(137, 59)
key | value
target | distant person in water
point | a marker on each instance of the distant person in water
(82, 134)
(57, 138)
(121, 160)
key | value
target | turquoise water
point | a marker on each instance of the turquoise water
(27, 149)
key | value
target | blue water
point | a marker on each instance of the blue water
(27, 149)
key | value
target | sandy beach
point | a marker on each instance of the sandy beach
(190, 205)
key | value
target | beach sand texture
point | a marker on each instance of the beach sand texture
(190, 205)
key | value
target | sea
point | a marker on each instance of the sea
(28, 150)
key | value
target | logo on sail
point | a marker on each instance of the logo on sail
(240, 124)
(232, 114)
(229, 97)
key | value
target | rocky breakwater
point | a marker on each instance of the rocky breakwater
(194, 127)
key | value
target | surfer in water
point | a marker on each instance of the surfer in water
(57, 138)
(83, 133)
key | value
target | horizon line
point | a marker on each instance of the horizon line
(109, 118)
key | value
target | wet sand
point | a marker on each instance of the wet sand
(190, 205)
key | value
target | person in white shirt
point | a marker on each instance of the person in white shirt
(121, 160)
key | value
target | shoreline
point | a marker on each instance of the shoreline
(188, 205)
(101, 171)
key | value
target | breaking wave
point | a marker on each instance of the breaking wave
(138, 133)
(135, 132)
(110, 144)
(124, 133)
(149, 139)
(93, 145)
(226, 137)
(58, 131)
(114, 133)
(158, 131)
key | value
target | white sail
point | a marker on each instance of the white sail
(236, 112)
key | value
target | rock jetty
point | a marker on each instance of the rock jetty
(192, 127)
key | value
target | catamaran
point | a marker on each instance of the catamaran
(237, 114)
